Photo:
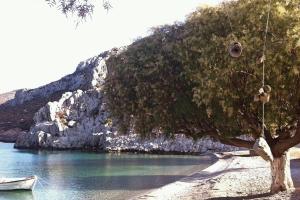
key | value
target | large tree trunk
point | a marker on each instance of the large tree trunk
(281, 174)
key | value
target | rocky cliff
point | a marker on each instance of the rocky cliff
(18, 108)
(80, 120)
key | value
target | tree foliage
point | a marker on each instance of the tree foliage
(79, 8)
(148, 87)
(182, 79)
(226, 86)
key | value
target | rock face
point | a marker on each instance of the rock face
(79, 120)
(7, 96)
(11, 135)
(76, 121)
(179, 144)
(18, 108)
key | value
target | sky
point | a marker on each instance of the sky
(39, 45)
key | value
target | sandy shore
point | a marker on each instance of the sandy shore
(235, 175)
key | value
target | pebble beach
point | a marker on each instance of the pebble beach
(236, 175)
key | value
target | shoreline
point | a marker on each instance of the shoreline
(178, 189)
(236, 175)
(133, 151)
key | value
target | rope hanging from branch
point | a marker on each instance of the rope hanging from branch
(261, 147)
(264, 91)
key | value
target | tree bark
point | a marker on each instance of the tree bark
(281, 174)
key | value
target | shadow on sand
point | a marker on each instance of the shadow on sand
(242, 197)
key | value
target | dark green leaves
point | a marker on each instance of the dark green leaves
(182, 79)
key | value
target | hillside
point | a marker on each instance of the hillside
(7, 96)
(17, 108)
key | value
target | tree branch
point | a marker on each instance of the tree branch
(212, 131)
(284, 134)
(237, 142)
(284, 144)
(232, 141)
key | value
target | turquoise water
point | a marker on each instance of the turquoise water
(80, 175)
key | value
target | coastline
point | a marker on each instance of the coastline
(235, 175)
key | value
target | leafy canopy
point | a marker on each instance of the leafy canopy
(79, 8)
(182, 79)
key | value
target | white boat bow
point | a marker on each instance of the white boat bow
(26, 183)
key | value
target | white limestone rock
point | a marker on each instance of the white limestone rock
(78, 123)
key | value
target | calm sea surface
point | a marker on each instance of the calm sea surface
(79, 175)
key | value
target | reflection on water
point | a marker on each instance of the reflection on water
(16, 195)
(81, 175)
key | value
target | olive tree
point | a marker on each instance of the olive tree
(181, 79)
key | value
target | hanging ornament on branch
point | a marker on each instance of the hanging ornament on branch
(263, 94)
(235, 49)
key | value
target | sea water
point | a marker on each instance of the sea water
(72, 175)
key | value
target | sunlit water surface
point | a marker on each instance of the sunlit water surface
(79, 175)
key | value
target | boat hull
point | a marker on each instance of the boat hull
(18, 183)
